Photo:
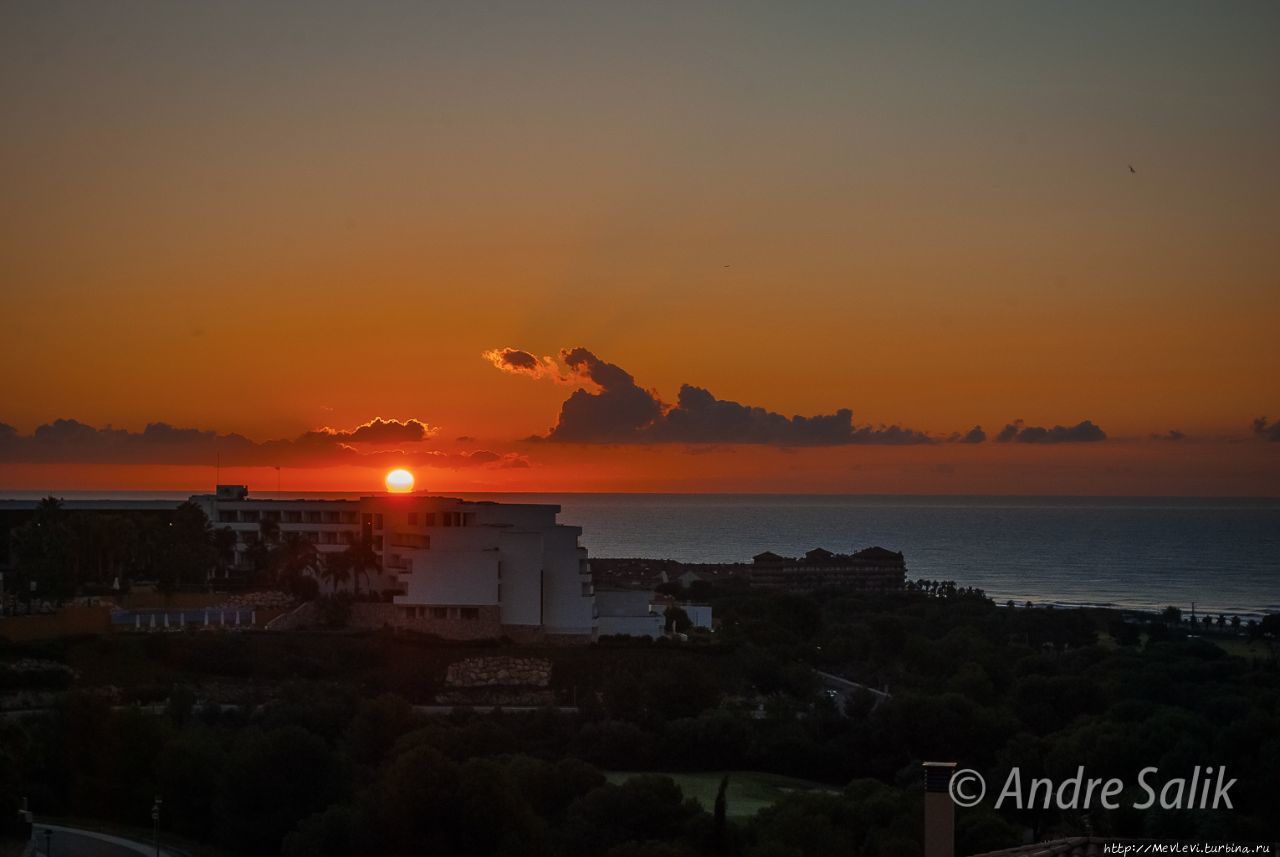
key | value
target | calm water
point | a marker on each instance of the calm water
(1221, 555)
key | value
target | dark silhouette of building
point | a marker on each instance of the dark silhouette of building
(872, 570)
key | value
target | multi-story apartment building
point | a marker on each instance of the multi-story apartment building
(870, 570)
(460, 568)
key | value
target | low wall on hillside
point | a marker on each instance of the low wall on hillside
(503, 670)
(66, 622)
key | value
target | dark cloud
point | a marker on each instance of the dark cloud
(1171, 434)
(618, 410)
(379, 430)
(1082, 432)
(519, 362)
(1268, 430)
(973, 435)
(71, 441)
(456, 460)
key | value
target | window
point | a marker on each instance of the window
(429, 519)
(470, 613)
(377, 520)
(439, 612)
(377, 543)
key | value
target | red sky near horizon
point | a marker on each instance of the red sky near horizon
(265, 221)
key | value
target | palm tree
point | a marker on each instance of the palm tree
(337, 568)
(42, 550)
(261, 547)
(295, 556)
(224, 546)
(360, 557)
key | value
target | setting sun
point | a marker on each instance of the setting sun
(399, 481)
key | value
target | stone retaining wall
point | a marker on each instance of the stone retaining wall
(499, 671)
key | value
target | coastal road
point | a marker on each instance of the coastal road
(841, 686)
(73, 842)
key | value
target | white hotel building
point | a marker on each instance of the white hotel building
(462, 569)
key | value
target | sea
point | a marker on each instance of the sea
(1210, 555)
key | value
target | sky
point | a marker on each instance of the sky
(235, 236)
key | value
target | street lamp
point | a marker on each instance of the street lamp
(155, 825)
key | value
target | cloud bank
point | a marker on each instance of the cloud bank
(618, 410)
(1266, 430)
(1082, 432)
(71, 441)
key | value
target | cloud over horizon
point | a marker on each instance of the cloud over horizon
(1266, 430)
(71, 441)
(519, 362)
(1082, 432)
(619, 410)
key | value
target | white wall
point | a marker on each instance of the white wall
(466, 577)
(566, 609)
(521, 556)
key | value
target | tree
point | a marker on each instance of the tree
(677, 620)
(181, 550)
(720, 819)
(42, 550)
(274, 780)
(295, 557)
(103, 547)
(645, 807)
(1172, 615)
(336, 568)
(224, 549)
(360, 559)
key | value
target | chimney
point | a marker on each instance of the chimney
(939, 810)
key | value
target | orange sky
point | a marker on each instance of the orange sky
(266, 221)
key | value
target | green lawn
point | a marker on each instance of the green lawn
(1241, 647)
(749, 791)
